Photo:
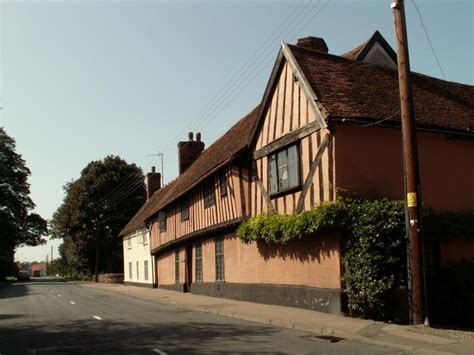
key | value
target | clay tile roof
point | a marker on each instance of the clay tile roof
(353, 89)
(221, 152)
(138, 221)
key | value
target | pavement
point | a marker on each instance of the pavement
(408, 339)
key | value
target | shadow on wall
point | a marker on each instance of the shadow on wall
(112, 337)
(310, 249)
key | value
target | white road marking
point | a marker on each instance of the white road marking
(72, 302)
(59, 296)
(97, 317)
(159, 352)
(51, 291)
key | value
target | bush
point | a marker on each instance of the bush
(453, 294)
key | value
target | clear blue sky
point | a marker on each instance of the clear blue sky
(83, 79)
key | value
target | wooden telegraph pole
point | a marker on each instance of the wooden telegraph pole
(411, 172)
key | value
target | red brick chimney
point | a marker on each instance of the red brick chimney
(313, 43)
(189, 151)
(153, 182)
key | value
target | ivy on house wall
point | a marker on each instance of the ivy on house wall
(373, 243)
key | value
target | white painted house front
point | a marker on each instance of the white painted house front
(137, 260)
(138, 264)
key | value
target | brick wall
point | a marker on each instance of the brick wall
(110, 278)
(166, 268)
(208, 261)
(310, 262)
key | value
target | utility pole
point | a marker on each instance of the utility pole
(416, 285)
(52, 259)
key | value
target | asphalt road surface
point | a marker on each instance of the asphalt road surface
(48, 317)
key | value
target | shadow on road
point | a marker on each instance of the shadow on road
(106, 337)
(12, 290)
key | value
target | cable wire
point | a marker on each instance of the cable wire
(429, 40)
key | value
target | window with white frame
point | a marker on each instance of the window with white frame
(129, 242)
(138, 271)
(176, 266)
(145, 270)
(284, 170)
(130, 270)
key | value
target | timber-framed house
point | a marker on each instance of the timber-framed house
(326, 125)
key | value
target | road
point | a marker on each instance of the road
(49, 317)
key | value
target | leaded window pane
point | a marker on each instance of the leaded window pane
(293, 167)
(219, 260)
(272, 174)
(199, 262)
(282, 170)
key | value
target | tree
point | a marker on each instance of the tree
(94, 210)
(18, 224)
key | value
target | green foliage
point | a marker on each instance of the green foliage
(19, 225)
(447, 225)
(89, 223)
(454, 282)
(281, 229)
(373, 254)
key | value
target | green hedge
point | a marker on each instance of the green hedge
(373, 244)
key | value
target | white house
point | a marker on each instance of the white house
(138, 262)
(137, 259)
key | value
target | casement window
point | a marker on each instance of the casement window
(129, 243)
(184, 209)
(144, 237)
(219, 259)
(138, 271)
(176, 266)
(284, 170)
(145, 270)
(198, 262)
(130, 270)
(209, 192)
(162, 219)
(223, 183)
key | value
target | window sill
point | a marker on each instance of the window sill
(285, 192)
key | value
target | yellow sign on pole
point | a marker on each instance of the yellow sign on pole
(411, 199)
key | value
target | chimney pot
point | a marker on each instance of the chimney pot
(190, 136)
(313, 43)
(153, 183)
(189, 151)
